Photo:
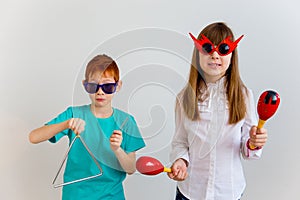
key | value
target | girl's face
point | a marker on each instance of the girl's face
(214, 66)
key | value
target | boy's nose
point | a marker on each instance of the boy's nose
(100, 91)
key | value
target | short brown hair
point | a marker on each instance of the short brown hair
(104, 65)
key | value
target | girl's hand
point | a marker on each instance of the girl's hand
(179, 170)
(116, 140)
(258, 137)
(77, 125)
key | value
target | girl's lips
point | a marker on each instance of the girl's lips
(100, 99)
(214, 64)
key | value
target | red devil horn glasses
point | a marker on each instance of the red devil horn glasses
(205, 46)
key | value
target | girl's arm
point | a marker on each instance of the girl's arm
(48, 131)
(127, 161)
(248, 128)
(180, 143)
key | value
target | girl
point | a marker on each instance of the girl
(215, 122)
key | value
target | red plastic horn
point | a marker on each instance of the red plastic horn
(267, 105)
(150, 166)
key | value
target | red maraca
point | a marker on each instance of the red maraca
(150, 166)
(266, 107)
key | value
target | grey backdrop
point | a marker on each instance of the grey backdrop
(44, 46)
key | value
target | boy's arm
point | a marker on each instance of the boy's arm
(127, 161)
(48, 131)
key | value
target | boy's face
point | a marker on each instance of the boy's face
(101, 99)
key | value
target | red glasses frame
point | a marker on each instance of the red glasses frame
(226, 43)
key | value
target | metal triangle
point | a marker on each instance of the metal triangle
(64, 160)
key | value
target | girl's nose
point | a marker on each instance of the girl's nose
(215, 55)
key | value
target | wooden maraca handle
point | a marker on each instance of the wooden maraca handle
(166, 169)
(260, 125)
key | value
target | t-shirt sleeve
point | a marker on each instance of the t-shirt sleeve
(67, 114)
(133, 138)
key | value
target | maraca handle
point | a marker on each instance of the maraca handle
(260, 125)
(167, 169)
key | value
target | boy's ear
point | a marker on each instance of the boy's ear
(119, 85)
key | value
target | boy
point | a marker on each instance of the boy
(99, 126)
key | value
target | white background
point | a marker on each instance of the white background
(44, 46)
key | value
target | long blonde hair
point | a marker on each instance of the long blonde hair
(216, 33)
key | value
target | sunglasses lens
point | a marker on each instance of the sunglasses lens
(224, 48)
(91, 87)
(109, 88)
(207, 48)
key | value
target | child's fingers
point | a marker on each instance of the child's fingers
(116, 136)
(117, 132)
(179, 170)
(258, 137)
(261, 131)
(174, 170)
(261, 138)
(258, 140)
(257, 131)
(77, 125)
(181, 175)
(81, 127)
(70, 124)
(170, 175)
(253, 131)
(74, 123)
(116, 139)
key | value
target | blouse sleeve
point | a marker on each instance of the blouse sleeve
(180, 140)
(250, 120)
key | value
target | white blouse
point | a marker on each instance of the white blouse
(213, 148)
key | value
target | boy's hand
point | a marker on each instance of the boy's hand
(77, 125)
(116, 140)
(258, 137)
(179, 170)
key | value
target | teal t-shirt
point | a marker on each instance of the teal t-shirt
(96, 135)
